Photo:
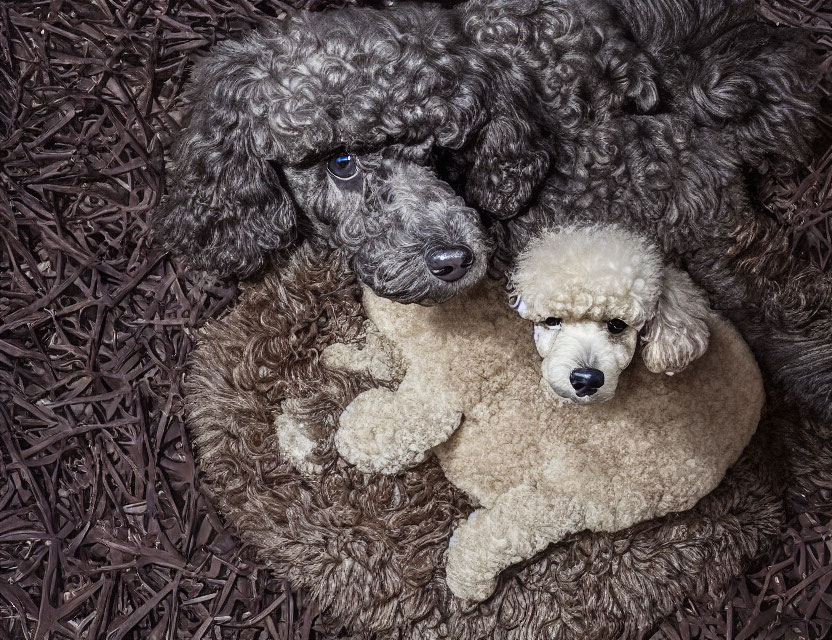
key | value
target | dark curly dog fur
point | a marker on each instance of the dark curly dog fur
(370, 547)
(355, 129)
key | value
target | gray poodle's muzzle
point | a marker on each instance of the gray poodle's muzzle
(407, 234)
(417, 240)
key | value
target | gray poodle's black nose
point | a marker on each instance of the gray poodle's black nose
(450, 263)
(586, 381)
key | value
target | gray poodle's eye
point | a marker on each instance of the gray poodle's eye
(342, 166)
(616, 325)
(552, 321)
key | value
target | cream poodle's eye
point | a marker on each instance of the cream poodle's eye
(342, 166)
(616, 325)
(552, 322)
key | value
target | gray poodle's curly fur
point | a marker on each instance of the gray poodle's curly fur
(651, 113)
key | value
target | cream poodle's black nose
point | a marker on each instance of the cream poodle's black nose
(586, 381)
(450, 263)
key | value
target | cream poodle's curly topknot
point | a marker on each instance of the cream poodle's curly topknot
(596, 272)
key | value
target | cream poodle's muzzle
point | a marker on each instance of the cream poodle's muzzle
(582, 359)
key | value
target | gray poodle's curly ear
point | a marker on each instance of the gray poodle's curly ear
(677, 333)
(225, 209)
(508, 161)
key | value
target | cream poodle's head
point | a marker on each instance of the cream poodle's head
(592, 292)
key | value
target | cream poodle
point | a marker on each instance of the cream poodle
(539, 463)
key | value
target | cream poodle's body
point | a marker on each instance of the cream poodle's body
(541, 467)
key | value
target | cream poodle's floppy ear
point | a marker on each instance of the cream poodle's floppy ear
(677, 333)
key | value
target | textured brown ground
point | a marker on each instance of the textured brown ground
(104, 529)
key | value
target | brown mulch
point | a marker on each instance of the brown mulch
(104, 530)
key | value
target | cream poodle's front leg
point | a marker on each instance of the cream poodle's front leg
(384, 431)
(298, 438)
(520, 524)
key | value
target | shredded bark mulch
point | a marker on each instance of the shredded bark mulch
(104, 529)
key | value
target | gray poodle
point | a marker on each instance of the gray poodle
(326, 129)
(364, 130)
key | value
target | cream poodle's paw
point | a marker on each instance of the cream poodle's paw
(466, 583)
(465, 569)
(383, 431)
(372, 455)
(379, 357)
(472, 517)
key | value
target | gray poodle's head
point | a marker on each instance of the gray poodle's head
(326, 128)
(409, 236)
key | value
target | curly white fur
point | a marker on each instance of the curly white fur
(593, 273)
